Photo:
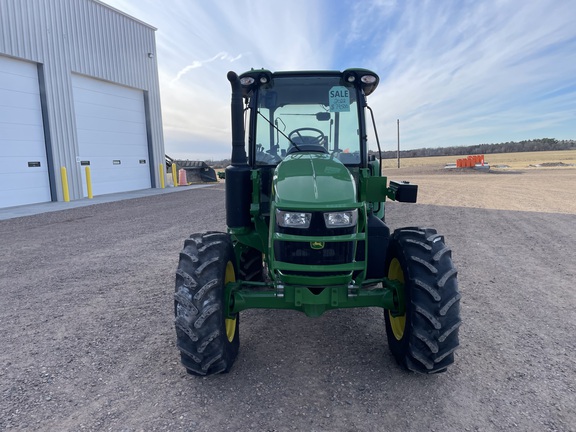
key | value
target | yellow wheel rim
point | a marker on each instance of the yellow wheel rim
(230, 324)
(398, 324)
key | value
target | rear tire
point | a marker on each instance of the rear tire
(208, 341)
(250, 267)
(425, 337)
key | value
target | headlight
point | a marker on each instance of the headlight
(288, 219)
(341, 219)
(368, 79)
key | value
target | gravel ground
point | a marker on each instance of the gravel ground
(87, 338)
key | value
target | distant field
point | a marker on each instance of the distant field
(518, 188)
(514, 160)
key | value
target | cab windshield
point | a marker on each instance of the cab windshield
(295, 114)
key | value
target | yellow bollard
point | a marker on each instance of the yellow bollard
(89, 183)
(64, 178)
(162, 176)
(174, 179)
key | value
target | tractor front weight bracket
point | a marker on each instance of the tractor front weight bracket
(313, 301)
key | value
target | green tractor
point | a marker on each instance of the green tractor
(306, 229)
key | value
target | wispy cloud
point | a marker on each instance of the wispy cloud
(224, 56)
(454, 73)
(479, 73)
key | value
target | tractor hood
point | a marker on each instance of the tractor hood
(313, 180)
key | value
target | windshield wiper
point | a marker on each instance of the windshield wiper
(276, 127)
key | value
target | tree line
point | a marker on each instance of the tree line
(541, 144)
(534, 145)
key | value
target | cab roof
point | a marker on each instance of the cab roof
(364, 78)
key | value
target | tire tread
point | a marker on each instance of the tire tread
(199, 305)
(433, 309)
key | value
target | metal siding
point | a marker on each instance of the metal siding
(92, 39)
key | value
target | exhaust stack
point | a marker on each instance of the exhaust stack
(237, 111)
(238, 183)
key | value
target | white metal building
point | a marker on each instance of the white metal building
(78, 87)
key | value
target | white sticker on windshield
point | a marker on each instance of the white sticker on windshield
(339, 98)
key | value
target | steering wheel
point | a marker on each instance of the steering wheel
(317, 137)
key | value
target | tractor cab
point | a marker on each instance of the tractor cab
(319, 112)
(317, 117)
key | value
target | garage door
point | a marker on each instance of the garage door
(23, 167)
(112, 139)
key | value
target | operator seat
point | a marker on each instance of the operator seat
(306, 144)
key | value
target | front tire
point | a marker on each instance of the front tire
(207, 339)
(425, 337)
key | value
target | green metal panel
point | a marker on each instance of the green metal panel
(308, 181)
(375, 189)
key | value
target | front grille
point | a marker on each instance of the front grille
(303, 253)
(331, 253)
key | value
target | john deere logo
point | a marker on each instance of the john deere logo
(317, 245)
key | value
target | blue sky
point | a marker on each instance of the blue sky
(455, 72)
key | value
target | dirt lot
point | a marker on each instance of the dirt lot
(87, 339)
(540, 190)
